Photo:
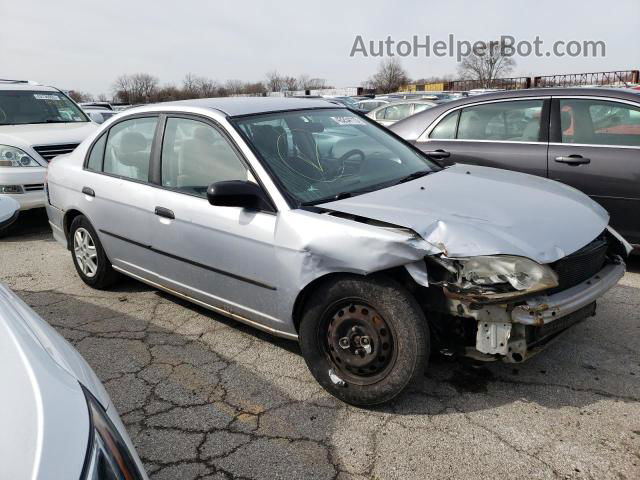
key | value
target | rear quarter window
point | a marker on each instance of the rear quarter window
(97, 154)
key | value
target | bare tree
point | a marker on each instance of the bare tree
(486, 65)
(389, 77)
(190, 86)
(79, 96)
(289, 83)
(233, 87)
(207, 88)
(275, 82)
(305, 82)
(254, 88)
(136, 88)
(102, 98)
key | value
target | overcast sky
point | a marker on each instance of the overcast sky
(86, 44)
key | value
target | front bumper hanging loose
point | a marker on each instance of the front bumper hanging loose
(521, 332)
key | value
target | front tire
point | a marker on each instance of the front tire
(364, 339)
(89, 257)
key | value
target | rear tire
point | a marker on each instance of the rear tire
(89, 257)
(364, 339)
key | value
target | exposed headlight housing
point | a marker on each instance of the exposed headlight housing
(495, 277)
(14, 157)
(108, 457)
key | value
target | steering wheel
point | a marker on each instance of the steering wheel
(3, 116)
(358, 166)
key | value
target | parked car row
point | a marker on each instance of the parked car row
(588, 138)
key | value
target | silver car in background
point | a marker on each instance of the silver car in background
(313, 223)
(99, 114)
(389, 114)
(57, 420)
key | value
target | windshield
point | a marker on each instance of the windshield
(19, 107)
(321, 155)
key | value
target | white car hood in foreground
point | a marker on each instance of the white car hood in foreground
(44, 416)
(469, 210)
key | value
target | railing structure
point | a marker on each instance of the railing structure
(616, 78)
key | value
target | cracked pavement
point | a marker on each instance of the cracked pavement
(204, 397)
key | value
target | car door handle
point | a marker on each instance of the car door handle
(88, 191)
(573, 160)
(438, 154)
(164, 212)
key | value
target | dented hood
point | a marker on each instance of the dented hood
(469, 210)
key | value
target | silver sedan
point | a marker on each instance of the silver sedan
(313, 223)
(391, 113)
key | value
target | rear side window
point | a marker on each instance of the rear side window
(599, 122)
(397, 112)
(97, 154)
(446, 129)
(502, 121)
(380, 114)
(419, 107)
(128, 148)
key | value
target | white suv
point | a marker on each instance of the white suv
(37, 123)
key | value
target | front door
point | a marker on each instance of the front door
(596, 148)
(222, 256)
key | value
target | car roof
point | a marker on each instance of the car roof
(239, 106)
(30, 87)
(412, 127)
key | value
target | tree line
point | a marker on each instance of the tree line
(390, 76)
(145, 88)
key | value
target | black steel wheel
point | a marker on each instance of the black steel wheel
(359, 341)
(364, 339)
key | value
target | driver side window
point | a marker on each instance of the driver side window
(195, 155)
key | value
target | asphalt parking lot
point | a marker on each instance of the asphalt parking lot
(205, 397)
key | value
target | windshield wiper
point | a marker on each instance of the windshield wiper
(413, 176)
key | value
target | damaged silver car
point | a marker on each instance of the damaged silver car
(307, 221)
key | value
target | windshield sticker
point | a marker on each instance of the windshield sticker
(348, 120)
(39, 96)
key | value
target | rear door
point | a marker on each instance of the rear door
(595, 147)
(509, 134)
(117, 196)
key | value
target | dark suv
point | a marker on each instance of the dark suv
(588, 138)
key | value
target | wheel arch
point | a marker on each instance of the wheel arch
(69, 216)
(398, 274)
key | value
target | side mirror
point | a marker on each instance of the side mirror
(238, 193)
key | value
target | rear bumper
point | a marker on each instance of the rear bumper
(56, 221)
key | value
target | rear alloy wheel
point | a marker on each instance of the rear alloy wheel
(364, 339)
(85, 252)
(89, 257)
